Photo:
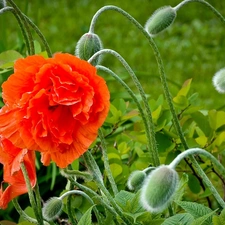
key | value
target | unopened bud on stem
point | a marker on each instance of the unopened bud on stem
(52, 208)
(159, 188)
(136, 179)
(87, 46)
(161, 19)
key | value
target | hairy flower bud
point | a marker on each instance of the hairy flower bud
(52, 208)
(136, 179)
(158, 189)
(87, 46)
(219, 81)
(161, 19)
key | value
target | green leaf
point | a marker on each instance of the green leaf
(219, 220)
(37, 47)
(163, 120)
(180, 190)
(123, 148)
(202, 140)
(203, 220)
(120, 104)
(86, 218)
(29, 211)
(114, 115)
(216, 119)
(196, 210)
(164, 142)
(180, 101)
(134, 204)
(156, 113)
(179, 219)
(194, 184)
(123, 197)
(8, 58)
(116, 169)
(202, 122)
(185, 88)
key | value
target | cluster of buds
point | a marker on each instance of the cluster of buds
(157, 188)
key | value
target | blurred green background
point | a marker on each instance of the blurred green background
(193, 47)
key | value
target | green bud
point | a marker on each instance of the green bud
(219, 81)
(161, 19)
(52, 208)
(159, 188)
(87, 46)
(135, 180)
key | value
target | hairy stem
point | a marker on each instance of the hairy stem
(215, 11)
(92, 166)
(106, 163)
(31, 50)
(150, 131)
(164, 84)
(33, 202)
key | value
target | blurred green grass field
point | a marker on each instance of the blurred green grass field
(193, 47)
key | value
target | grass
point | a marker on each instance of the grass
(192, 48)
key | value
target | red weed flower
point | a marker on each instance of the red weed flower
(54, 106)
(11, 157)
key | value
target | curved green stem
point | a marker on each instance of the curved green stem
(130, 92)
(31, 50)
(11, 9)
(205, 4)
(193, 151)
(77, 192)
(150, 131)
(69, 208)
(106, 163)
(31, 194)
(92, 166)
(157, 56)
(69, 200)
(164, 84)
(30, 22)
(22, 213)
(80, 174)
(91, 192)
(219, 166)
(41, 36)
(38, 200)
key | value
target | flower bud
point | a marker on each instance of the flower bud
(136, 179)
(219, 81)
(87, 46)
(161, 19)
(52, 208)
(158, 189)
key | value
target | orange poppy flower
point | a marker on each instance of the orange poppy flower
(54, 106)
(11, 157)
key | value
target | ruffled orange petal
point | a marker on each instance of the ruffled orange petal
(11, 158)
